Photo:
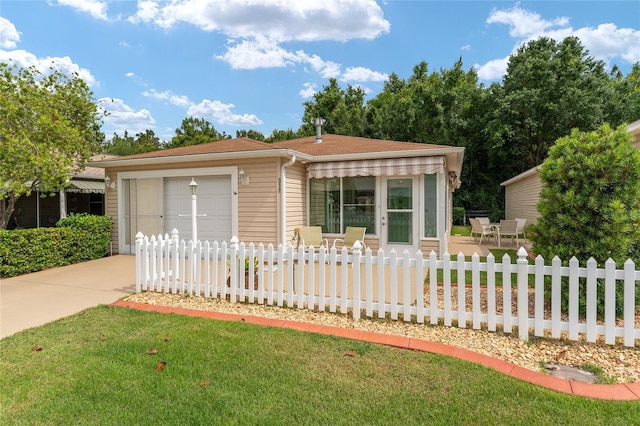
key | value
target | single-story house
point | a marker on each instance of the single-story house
(522, 192)
(260, 192)
(83, 194)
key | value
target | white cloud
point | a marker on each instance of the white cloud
(266, 53)
(466, 47)
(122, 117)
(96, 8)
(221, 113)
(363, 74)
(45, 65)
(308, 91)
(524, 23)
(605, 42)
(280, 20)
(177, 100)
(9, 36)
(257, 53)
(493, 69)
(327, 69)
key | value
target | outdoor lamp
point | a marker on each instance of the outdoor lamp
(193, 186)
(107, 182)
(244, 179)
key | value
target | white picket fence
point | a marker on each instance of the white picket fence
(396, 285)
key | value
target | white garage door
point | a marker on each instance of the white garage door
(214, 202)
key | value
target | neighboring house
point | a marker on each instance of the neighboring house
(522, 192)
(84, 194)
(260, 192)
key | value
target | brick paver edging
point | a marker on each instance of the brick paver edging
(618, 392)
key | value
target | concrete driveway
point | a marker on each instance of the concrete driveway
(35, 299)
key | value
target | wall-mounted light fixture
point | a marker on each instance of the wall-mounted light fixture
(244, 179)
(108, 183)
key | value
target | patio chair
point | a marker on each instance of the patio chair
(484, 221)
(521, 224)
(508, 228)
(480, 230)
(351, 235)
(312, 236)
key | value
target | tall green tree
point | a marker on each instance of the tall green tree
(623, 103)
(49, 128)
(282, 135)
(251, 134)
(549, 89)
(146, 141)
(195, 131)
(342, 109)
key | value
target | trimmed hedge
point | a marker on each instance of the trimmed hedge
(459, 216)
(75, 239)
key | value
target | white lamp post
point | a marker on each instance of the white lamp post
(193, 186)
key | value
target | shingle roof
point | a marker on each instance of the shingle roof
(331, 145)
(226, 145)
(345, 145)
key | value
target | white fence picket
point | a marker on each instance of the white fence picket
(348, 282)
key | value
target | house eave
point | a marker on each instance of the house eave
(287, 153)
(521, 176)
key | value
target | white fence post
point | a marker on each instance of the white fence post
(357, 299)
(629, 303)
(523, 295)
(140, 273)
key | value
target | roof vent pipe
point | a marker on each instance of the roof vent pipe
(319, 122)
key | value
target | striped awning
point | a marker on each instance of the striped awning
(379, 167)
(86, 186)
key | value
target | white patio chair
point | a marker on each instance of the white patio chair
(484, 221)
(521, 224)
(312, 236)
(480, 230)
(508, 228)
(351, 235)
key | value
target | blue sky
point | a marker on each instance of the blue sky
(250, 64)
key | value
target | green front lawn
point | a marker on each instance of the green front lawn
(94, 368)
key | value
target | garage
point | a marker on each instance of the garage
(214, 207)
(156, 202)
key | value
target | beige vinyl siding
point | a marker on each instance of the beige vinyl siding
(296, 179)
(111, 209)
(521, 198)
(636, 141)
(258, 202)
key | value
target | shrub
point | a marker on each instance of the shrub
(75, 239)
(590, 200)
(98, 227)
(458, 216)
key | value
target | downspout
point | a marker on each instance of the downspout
(283, 200)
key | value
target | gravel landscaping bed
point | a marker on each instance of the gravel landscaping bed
(618, 364)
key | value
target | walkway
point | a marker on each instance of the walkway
(35, 299)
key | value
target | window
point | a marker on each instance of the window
(430, 205)
(336, 203)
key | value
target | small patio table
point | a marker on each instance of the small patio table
(496, 230)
